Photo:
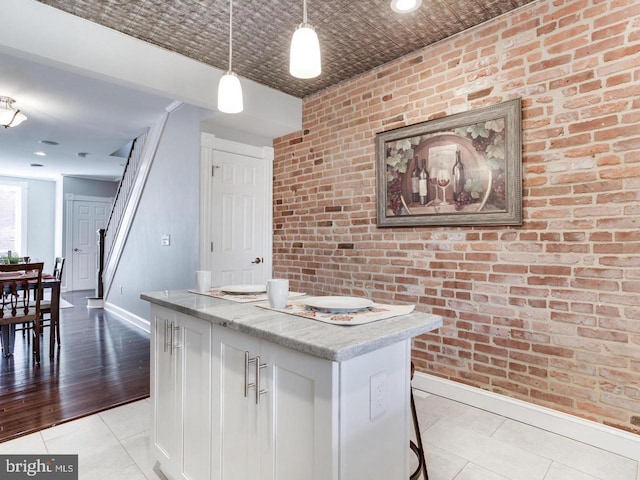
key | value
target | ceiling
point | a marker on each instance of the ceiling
(355, 35)
(81, 114)
(85, 114)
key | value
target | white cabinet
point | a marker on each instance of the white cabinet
(273, 418)
(181, 394)
(228, 405)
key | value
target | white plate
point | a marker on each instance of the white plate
(338, 304)
(243, 289)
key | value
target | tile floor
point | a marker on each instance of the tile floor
(471, 444)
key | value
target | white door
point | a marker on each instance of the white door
(88, 217)
(236, 211)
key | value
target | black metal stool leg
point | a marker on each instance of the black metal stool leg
(417, 449)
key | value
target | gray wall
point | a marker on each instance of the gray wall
(91, 188)
(41, 202)
(169, 205)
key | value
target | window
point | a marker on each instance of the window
(13, 215)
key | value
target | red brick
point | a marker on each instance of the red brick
(533, 311)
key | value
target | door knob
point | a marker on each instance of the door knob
(258, 260)
(76, 249)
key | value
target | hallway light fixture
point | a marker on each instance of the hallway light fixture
(405, 6)
(229, 88)
(9, 115)
(304, 58)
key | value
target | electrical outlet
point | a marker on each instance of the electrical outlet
(378, 395)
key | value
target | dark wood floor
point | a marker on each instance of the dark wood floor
(102, 362)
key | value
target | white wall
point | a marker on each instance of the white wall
(41, 200)
(169, 205)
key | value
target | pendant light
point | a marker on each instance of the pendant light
(229, 89)
(304, 59)
(9, 115)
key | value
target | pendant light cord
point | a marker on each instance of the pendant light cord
(304, 12)
(230, 33)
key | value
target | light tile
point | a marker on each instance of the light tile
(85, 423)
(139, 449)
(32, 444)
(129, 419)
(562, 472)
(579, 456)
(459, 414)
(461, 443)
(111, 472)
(489, 453)
(471, 471)
(442, 465)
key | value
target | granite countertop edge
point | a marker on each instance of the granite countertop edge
(319, 339)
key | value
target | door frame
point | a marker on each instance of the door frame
(266, 154)
(70, 198)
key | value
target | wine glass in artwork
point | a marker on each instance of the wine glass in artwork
(444, 179)
(433, 181)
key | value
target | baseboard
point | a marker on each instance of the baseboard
(141, 323)
(601, 436)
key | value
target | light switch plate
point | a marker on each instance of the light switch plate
(166, 240)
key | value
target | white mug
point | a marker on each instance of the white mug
(278, 292)
(203, 281)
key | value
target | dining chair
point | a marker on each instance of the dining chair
(45, 305)
(18, 306)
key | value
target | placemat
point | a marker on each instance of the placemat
(259, 297)
(378, 311)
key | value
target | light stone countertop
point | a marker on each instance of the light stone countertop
(323, 340)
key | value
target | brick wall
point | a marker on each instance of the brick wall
(548, 312)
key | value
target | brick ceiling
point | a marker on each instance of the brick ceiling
(355, 35)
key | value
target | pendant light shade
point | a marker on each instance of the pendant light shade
(229, 88)
(9, 115)
(230, 94)
(304, 59)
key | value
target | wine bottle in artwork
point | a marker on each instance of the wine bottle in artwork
(415, 181)
(457, 179)
(423, 183)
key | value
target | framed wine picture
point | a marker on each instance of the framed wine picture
(463, 169)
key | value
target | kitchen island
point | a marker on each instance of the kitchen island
(243, 392)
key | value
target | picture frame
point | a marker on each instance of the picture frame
(462, 169)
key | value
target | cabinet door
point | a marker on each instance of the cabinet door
(298, 425)
(234, 407)
(192, 347)
(164, 390)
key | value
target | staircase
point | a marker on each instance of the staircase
(113, 238)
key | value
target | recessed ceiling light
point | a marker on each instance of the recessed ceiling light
(405, 6)
(49, 142)
(40, 154)
(36, 165)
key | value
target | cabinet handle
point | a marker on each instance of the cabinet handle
(259, 367)
(166, 334)
(247, 385)
(174, 345)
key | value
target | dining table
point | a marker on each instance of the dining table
(48, 282)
